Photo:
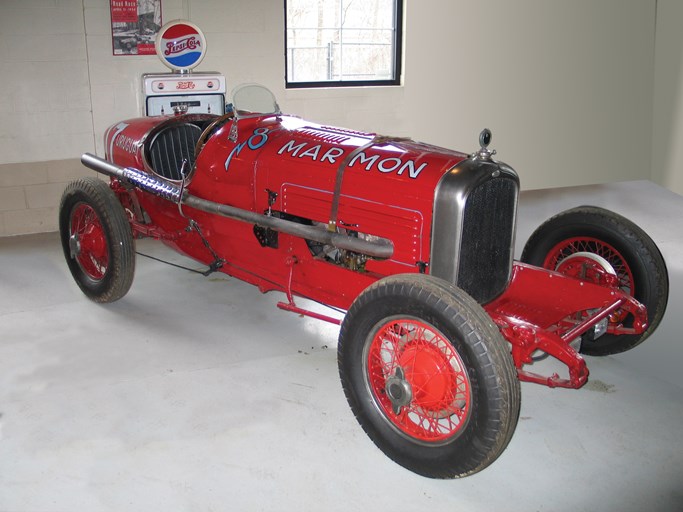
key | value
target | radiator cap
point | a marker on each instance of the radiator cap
(484, 152)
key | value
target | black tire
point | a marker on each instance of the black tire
(631, 252)
(450, 429)
(97, 240)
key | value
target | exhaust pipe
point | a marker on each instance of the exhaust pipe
(381, 248)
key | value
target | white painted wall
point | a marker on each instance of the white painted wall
(667, 134)
(44, 91)
(566, 87)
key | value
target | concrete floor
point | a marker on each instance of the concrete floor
(198, 394)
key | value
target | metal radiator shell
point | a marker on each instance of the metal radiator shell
(475, 207)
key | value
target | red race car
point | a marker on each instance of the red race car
(413, 242)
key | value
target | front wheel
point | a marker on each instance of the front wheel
(589, 238)
(428, 376)
(97, 240)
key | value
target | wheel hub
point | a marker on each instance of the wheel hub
(74, 246)
(418, 380)
(87, 242)
(432, 377)
(589, 266)
(398, 390)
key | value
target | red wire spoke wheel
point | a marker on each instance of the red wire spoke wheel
(596, 261)
(618, 245)
(566, 248)
(96, 239)
(87, 241)
(418, 380)
(428, 376)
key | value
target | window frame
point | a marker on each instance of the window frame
(397, 58)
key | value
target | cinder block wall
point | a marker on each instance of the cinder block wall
(30, 193)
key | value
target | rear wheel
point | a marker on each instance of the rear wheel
(428, 376)
(593, 243)
(97, 240)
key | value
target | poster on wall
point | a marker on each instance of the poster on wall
(134, 26)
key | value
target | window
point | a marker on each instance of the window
(332, 43)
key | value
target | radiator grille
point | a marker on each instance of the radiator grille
(487, 236)
(171, 146)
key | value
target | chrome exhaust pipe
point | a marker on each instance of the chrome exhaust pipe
(381, 248)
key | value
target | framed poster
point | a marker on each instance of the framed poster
(134, 26)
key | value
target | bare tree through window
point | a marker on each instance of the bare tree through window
(343, 42)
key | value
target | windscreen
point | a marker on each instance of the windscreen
(252, 99)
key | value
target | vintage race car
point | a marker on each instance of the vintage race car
(414, 243)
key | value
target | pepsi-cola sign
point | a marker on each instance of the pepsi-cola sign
(180, 45)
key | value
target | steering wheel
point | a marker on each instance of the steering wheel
(210, 130)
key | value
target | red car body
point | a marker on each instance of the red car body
(358, 222)
(388, 192)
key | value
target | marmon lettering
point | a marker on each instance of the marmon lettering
(367, 162)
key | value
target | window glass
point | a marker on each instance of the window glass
(343, 42)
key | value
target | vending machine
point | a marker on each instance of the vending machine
(181, 46)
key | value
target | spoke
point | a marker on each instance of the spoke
(572, 246)
(85, 225)
(433, 374)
